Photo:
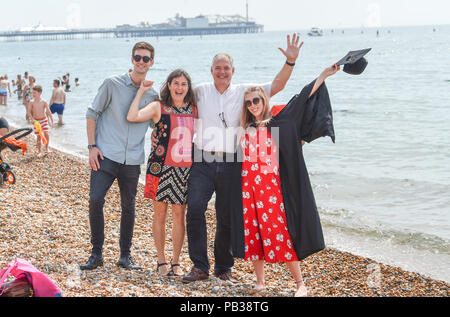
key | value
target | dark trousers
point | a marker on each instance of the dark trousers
(101, 181)
(205, 179)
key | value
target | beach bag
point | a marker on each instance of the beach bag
(39, 285)
(17, 288)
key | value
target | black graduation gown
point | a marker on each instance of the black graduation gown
(302, 119)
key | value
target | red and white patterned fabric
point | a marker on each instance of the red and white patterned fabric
(44, 125)
(266, 234)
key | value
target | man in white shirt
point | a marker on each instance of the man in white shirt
(219, 109)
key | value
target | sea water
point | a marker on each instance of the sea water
(383, 190)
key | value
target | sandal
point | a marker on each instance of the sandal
(159, 265)
(172, 273)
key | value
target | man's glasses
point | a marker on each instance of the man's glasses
(255, 101)
(138, 58)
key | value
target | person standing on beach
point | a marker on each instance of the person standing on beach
(219, 105)
(58, 101)
(116, 151)
(66, 83)
(274, 214)
(40, 112)
(19, 84)
(169, 164)
(27, 96)
(5, 87)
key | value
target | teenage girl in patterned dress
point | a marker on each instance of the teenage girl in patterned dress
(170, 162)
(265, 222)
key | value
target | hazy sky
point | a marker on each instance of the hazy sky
(274, 14)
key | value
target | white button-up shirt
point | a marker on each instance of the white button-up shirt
(220, 115)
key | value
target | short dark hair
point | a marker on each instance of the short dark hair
(144, 46)
(56, 81)
(166, 98)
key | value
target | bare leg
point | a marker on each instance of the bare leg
(47, 136)
(260, 279)
(60, 122)
(38, 144)
(294, 267)
(178, 233)
(159, 234)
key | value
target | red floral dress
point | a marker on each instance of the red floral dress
(266, 234)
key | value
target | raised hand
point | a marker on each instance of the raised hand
(293, 48)
(146, 85)
(330, 71)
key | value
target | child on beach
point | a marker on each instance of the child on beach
(40, 112)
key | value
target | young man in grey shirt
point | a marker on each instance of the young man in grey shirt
(116, 151)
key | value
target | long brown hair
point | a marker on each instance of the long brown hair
(166, 98)
(247, 118)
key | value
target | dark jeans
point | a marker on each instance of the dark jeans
(101, 181)
(205, 179)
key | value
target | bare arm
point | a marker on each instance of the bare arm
(52, 98)
(330, 71)
(291, 53)
(151, 111)
(91, 126)
(48, 113)
(30, 110)
(94, 153)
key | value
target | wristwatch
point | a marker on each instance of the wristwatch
(91, 146)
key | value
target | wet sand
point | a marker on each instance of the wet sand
(44, 219)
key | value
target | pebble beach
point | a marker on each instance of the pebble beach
(44, 220)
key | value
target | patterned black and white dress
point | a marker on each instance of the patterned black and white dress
(170, 162)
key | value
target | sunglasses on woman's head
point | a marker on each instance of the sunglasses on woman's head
(255, 101)
(138, 58)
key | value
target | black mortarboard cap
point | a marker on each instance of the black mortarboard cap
(354, 62)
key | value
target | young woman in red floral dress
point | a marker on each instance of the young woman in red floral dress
(266, 232)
